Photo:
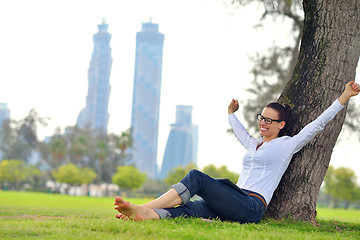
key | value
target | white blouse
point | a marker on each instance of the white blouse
(263, 168)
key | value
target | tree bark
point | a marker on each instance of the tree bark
(329, 54)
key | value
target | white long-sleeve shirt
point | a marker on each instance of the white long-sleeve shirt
(263, 168)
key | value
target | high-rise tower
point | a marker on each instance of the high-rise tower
(4, 113)
(4, 116)
(182, 144)
(146, 97)
(95, 114)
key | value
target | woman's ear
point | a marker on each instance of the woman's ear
(282, 125)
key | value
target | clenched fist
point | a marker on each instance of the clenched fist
(233, 106)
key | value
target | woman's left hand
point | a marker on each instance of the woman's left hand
(354, 88)
(351, 89)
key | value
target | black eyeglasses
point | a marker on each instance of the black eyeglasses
(266, 119)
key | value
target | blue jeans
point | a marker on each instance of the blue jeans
(218, 201)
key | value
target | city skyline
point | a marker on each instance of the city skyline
(45, 57)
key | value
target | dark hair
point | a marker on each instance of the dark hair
(284, 112)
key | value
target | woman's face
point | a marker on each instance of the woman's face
(270, 131)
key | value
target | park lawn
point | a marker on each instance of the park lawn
(339, 214)
(53, 216)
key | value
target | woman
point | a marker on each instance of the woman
(263, 166)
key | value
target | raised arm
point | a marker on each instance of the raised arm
(310, 130)
(240, 132)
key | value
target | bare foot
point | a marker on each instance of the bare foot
(130, 211)
(122, 216)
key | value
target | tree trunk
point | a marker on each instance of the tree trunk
(328, 58)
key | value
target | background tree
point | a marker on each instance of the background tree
(102, 153)
(58, 149)
(124, 142)
(341, 184)
(29, 125)
(346, 185)
(154, 188)
(36, 178)
(329, 187)
(11, 147)
(221, 172)
(328, 57)
(79, 148)
(86, 148)
(19, 138)
(118, 146)
(73, 175)
(129, 177)
(274, 69)
(15, 171)
(178, 173)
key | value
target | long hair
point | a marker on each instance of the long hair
(284, 112)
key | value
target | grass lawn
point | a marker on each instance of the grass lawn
(50, 216)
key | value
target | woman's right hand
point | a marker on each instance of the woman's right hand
(233, 106)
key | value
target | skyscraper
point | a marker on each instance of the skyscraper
(182, 144)
(4, 113)
(146, 97)
(95, 114)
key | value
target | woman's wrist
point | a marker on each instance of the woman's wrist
(344, 98)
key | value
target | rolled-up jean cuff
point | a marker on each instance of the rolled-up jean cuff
(162, 213)
(183, 192)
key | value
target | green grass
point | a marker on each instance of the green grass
(346, 215)
(50, 216)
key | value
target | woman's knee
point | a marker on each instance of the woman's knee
(196, 173)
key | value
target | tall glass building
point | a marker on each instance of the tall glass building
(4, 113)
(146, 98)
(95, 114)
(182, 144)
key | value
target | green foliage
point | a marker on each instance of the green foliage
(329, 180)
(178, 173)
(73, 175)
(129, 177)
(346, 183)
(221, 172)
(16, 171)
(87, 148)
(79, 147)
(122, 142)
(101, 150)
(13, 170)
(57, 148)
(341, 184)
(19, 138)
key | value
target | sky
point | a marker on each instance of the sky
(46, 47)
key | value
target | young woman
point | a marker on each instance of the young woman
(263, 166)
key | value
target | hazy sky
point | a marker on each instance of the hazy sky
(46, 46)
